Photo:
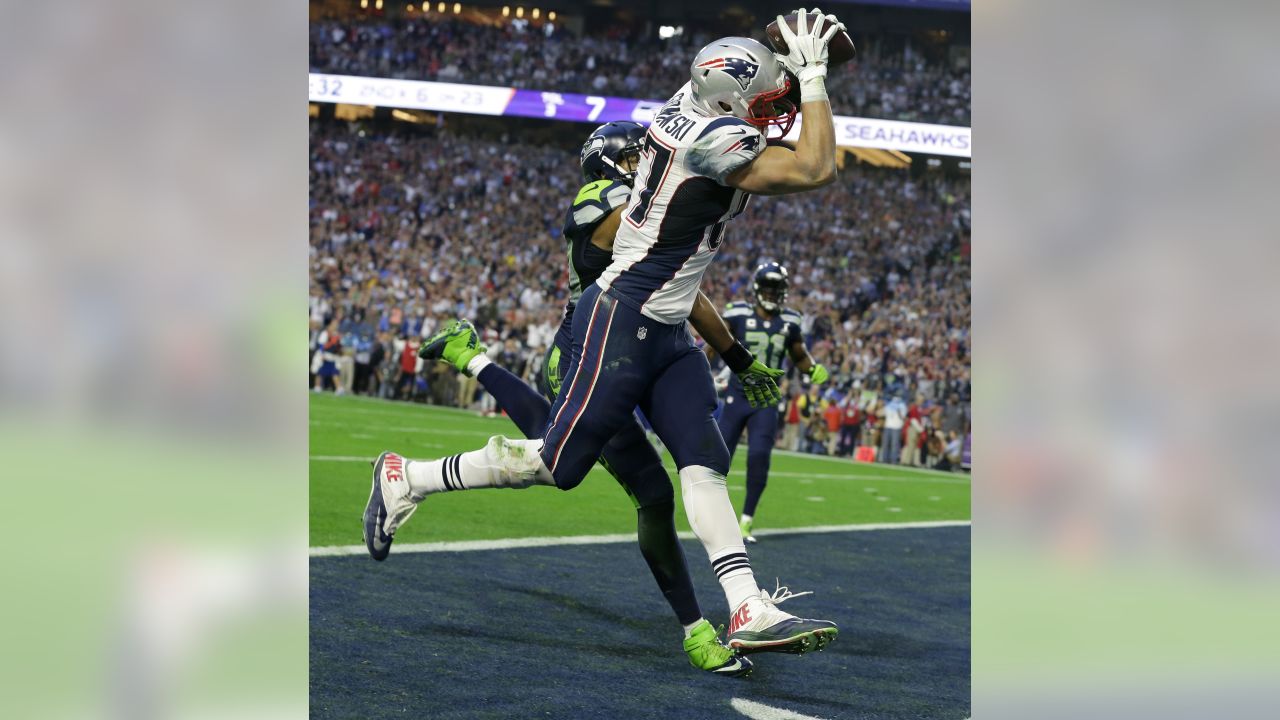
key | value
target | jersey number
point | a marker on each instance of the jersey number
(659, 157)
(767, 347)
(717, 231)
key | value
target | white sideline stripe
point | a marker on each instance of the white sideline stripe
(772, 473)
(401, 408)
(427, 431)
(850, 461)
(760, 711)
(536, 542)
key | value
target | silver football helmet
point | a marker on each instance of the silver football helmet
(741, 77)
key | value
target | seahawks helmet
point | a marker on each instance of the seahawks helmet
(771, 286)
(740, 77)
(604, 150)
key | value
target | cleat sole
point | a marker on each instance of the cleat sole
(799, 644)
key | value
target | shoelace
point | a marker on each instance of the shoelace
(781, 594)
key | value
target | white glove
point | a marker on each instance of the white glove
(807, 51)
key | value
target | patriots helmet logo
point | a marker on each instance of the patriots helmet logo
(737, 68)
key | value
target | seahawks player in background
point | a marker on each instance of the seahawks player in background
(608, 159)
(770, 331)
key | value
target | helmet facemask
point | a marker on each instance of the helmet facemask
(771, 294)
(630, 152)
(773, 109)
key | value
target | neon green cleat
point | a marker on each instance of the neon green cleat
(707, 652)
(455, 343)
(745, 526)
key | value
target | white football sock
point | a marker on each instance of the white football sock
(688, 629)
(500, 463)
(477, 363)
(706, 503)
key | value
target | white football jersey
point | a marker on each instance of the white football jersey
(674, 221)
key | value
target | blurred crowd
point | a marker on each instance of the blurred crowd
(413, 227)
(887, 80)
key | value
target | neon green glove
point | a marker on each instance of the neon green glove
(818, 374)
(760, 384)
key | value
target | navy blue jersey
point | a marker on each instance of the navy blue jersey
(594, 203)
(586, 261)
(769, 339)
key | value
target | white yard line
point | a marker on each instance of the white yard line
(849, 461)
(399, 408)
(535, 542)
(952, 480)
(760, 711)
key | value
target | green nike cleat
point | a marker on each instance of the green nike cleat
(745, 525)
(456, 343)
(706, 652)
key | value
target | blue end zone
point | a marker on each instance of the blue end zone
(582, 632)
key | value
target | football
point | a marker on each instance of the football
(839, 51)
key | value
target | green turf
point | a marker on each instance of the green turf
(347, 433)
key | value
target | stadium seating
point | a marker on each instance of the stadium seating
(881, 83)
(412, 227)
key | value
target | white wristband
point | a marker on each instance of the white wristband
(813, 89)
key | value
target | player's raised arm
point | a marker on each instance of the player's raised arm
(778, 170)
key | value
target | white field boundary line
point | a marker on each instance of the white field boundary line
(411, 408)
(538, 542)
(760, 711)
(400, 409)
(952, 480)
(849, 461)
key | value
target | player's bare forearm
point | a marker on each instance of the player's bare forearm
(603, 235)
(779, 170)
(816, 147)
(707, 321)
(801, 358)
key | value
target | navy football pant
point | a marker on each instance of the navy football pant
(620, 360)
(762, 430)
(632, 461)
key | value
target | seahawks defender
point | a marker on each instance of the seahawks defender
(704, 155)
(770, 330)
(608, 161)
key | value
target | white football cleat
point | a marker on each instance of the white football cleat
(762, 627)
(389, 506)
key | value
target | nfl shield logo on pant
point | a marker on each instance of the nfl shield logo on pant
(642, 332)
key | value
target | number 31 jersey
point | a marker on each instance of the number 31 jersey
(769, 339)
(674, 221)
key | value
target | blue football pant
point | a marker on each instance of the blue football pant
(762, 431)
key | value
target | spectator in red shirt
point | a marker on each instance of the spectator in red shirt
(791, 435)
(850, 423)
(913, 433)
(408, 368)
(833, 416)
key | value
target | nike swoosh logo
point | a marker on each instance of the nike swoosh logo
(736, 666)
